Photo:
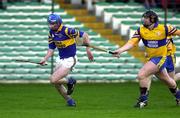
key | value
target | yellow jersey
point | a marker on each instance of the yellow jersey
(155, 40)
(171, 48)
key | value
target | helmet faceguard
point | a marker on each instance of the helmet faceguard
(54, 21)
(149, 18)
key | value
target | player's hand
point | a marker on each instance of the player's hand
(42, 62)
(89, 54)
(116, 53)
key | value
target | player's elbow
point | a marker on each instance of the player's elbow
(86, 38)
(85, 35)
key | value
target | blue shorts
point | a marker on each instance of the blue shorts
(160, 62)
(170, 63)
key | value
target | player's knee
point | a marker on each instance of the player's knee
(53, 80)
(141, 76)
(172, 83)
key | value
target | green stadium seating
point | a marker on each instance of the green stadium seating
(7, 71)
(81, 67)
(118, 4)
(102, 71)
(83, 60)
(26, 38)
(42, 77)
(11, 55)
(6, 50)
(134, 72)
(12, 77)
(23, 49)
(21, 71)
(4, 18)
(86, 71)
(93, 66)
(119, 71)
(12, 66)
(129, 77)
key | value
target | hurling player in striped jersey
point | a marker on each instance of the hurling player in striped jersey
(63, 38)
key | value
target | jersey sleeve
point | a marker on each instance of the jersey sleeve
(135, 38)
(73, 33)
(171, 30)
(133, 41)
(137, 34)
(51, 44)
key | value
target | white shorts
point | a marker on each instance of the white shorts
(67, 62)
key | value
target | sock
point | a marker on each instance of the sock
(143, 91)
(173, 90)
(176, 92)
(143, 94)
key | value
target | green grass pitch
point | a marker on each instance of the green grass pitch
(93, 101)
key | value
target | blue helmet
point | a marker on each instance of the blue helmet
(54, 18)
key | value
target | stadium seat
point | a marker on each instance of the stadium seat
(102, 71)
(12, 77)
(89, 71)
(99, 7)
(129, 77)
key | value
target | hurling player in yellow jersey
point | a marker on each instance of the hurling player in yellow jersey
(62, 38)
(154, 37)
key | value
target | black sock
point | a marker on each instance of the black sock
(173, 90)
(143, 91)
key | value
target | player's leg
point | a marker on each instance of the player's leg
(143, 76)
(177, 77)
(59, 74)
(71, 84)
(146, 72)
(172, 74)
(58, 80)
(67, 63)
(170, 65)
(170, 82)
(62, 69)
(171, 60)
(63, 91)
(149, 84)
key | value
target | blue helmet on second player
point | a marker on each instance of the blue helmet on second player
(54, 19)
